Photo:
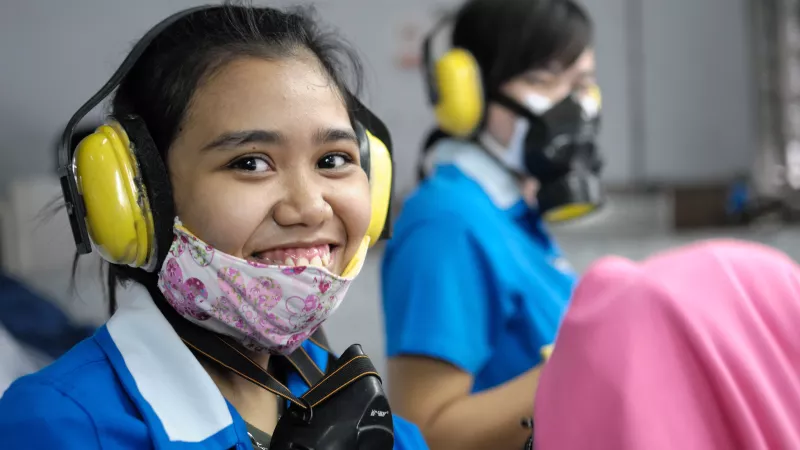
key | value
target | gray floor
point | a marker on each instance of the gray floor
(631, 226)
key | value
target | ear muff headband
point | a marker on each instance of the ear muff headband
(105, 189)
(74, 201)
(455, 88)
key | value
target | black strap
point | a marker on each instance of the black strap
(320, 339)
(348, 372)
(513, 106)
(224, 352)
(302, 363)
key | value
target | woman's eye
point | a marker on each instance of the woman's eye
(250, 164)
(334, 161)
(540, 79)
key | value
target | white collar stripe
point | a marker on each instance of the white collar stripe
(170, 387)
(485, 170)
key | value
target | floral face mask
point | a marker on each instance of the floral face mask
(268, 308)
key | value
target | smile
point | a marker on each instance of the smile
(317, 255)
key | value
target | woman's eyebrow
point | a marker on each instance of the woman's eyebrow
(329, 135)
(239, 138)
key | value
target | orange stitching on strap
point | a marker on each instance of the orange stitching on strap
(300, 372)
(361, 375)
(312, 361)
(315, 342)
(333, 373)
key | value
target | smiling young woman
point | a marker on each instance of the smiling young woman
(252, 183)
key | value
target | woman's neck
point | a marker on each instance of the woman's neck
(256, 405)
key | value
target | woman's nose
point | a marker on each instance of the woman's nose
(301, 203)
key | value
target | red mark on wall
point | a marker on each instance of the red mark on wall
(409, 55)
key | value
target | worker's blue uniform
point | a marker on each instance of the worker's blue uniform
(471, 276)
(135, 385)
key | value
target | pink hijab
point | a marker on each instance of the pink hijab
(694, 349)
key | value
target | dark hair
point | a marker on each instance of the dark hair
(510, 37)
(160, 86)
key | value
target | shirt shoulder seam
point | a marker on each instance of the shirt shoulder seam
(52, 385)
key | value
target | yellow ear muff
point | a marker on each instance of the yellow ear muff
(119, 225)
(569, 212)
(459, 109)
(380, 186)
(546, 351)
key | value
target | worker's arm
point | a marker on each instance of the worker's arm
(436, 396)
(441, 306)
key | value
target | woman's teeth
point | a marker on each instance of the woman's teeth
(316, 260)
(318, 256)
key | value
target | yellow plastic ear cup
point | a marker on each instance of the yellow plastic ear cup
(121, 134)
(146, 233)
(105, 171)
(569, 212)
(143, 219)
(459, 109)
(380, 186)
(596, 94)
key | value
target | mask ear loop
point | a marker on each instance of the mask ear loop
(354, 266)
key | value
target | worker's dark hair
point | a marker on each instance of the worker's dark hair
(510, 37)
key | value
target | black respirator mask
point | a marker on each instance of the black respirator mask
(558, 148)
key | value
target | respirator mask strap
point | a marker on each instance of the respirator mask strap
(512, 155)
(224, 352)
(513, 106)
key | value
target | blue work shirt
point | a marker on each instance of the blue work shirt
(135, 385)
(471, 276)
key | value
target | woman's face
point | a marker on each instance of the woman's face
(266, 165)
(553, 84)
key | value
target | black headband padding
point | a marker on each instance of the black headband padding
(156, 182)
(363, 148)
(372, 123)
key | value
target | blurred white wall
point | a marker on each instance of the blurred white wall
(698, 102)
(677, 68)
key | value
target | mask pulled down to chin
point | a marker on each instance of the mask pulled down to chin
(267, 308)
